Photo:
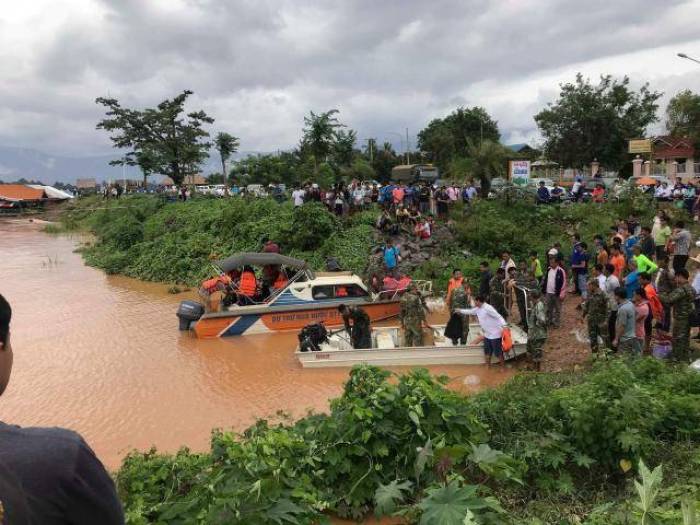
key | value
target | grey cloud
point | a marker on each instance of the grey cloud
(258, 66)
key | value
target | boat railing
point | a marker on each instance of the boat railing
(424, 287)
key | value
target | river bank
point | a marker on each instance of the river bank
(102, 354)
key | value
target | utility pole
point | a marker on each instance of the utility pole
(408, 155)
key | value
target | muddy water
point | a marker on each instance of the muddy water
(102, 355)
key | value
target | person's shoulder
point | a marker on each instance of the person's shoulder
(57, 450)
(62, 439)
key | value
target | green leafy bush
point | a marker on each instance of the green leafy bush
(410, 446)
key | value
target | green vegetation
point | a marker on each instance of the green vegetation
(683, 116)
(544, 448)
(164, 139)
(151, 239)
(595, 121)
(148, 238)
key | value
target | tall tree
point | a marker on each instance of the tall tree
(164, 138)
(595, 121)
(320, 135)
(486, 161)
(683, 116)
(446, 138)
(344, 147)
(226, 144)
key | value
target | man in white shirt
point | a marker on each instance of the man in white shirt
(492, 324)
(298, 197)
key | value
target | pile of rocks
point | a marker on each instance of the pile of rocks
(414, 252)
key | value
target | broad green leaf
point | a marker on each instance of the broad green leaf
(388, 497)
(688, 509)
(449, 504)
(424, 453)
(284, 511)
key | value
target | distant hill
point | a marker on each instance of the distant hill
(31, 164)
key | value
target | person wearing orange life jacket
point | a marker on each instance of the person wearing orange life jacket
(247, 287)
(280, 282)
(341, 291)
(454, 282)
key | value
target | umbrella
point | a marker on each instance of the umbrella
(645, 181)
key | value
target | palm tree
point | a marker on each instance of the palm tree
(226, 144)
(320, 134)
(486, 161)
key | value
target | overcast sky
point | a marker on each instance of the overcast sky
(259, 66)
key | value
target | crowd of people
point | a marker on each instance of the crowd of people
(636, 293)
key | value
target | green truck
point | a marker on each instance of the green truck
(409, 173)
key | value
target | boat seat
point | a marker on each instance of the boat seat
(385, 341)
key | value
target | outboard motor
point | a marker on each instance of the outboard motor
(189, 312)
(312, 336)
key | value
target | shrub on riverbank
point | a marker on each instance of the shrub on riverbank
(146, 237)
(548, 447)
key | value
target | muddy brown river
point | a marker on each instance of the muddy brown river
(102, 355)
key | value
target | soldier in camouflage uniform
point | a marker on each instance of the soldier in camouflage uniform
(497, 297)
(664, 284)
(682, 300)
(537, 332)
(520, 280)
(596, 309)
(412, 316)
(359, 331)
(460, 299)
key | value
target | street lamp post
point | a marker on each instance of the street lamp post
(683, 55)
(400, 141)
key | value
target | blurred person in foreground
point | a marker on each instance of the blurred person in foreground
(61, 479)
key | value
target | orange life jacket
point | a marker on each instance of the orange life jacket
(341, 291)
(451, 285)
(248, 285)
(280, 282)
(212, 285)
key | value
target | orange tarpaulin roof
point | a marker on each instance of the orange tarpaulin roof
(20, 192)
(645, 181)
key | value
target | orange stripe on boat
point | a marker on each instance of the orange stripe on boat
(213, 326)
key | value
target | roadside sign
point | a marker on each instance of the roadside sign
(519, 171)
(640, 146)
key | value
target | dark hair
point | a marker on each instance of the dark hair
(645, 276)
(501, 271)
(342, 308)
(480, 298)
(533, 253)
(621, 293)
(455, 271)
(484, 263)
(641, 293)
(646, 229)
(5, 316)
(680, 224)
(584, 245)
(609, 267)
(599, 267)
(683, 273)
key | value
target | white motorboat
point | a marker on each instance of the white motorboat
(388, 350)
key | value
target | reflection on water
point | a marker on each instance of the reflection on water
(102, 355)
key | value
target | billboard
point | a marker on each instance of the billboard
(640, 146)
(519, 172)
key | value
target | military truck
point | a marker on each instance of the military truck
(408, 173)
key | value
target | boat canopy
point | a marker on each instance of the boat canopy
(259, 259)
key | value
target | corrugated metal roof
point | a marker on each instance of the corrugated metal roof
(20, 192)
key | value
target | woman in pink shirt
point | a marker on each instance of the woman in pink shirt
(641, 307)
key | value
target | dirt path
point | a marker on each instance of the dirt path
(563, 351)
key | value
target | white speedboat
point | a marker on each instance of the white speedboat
(388, 350)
